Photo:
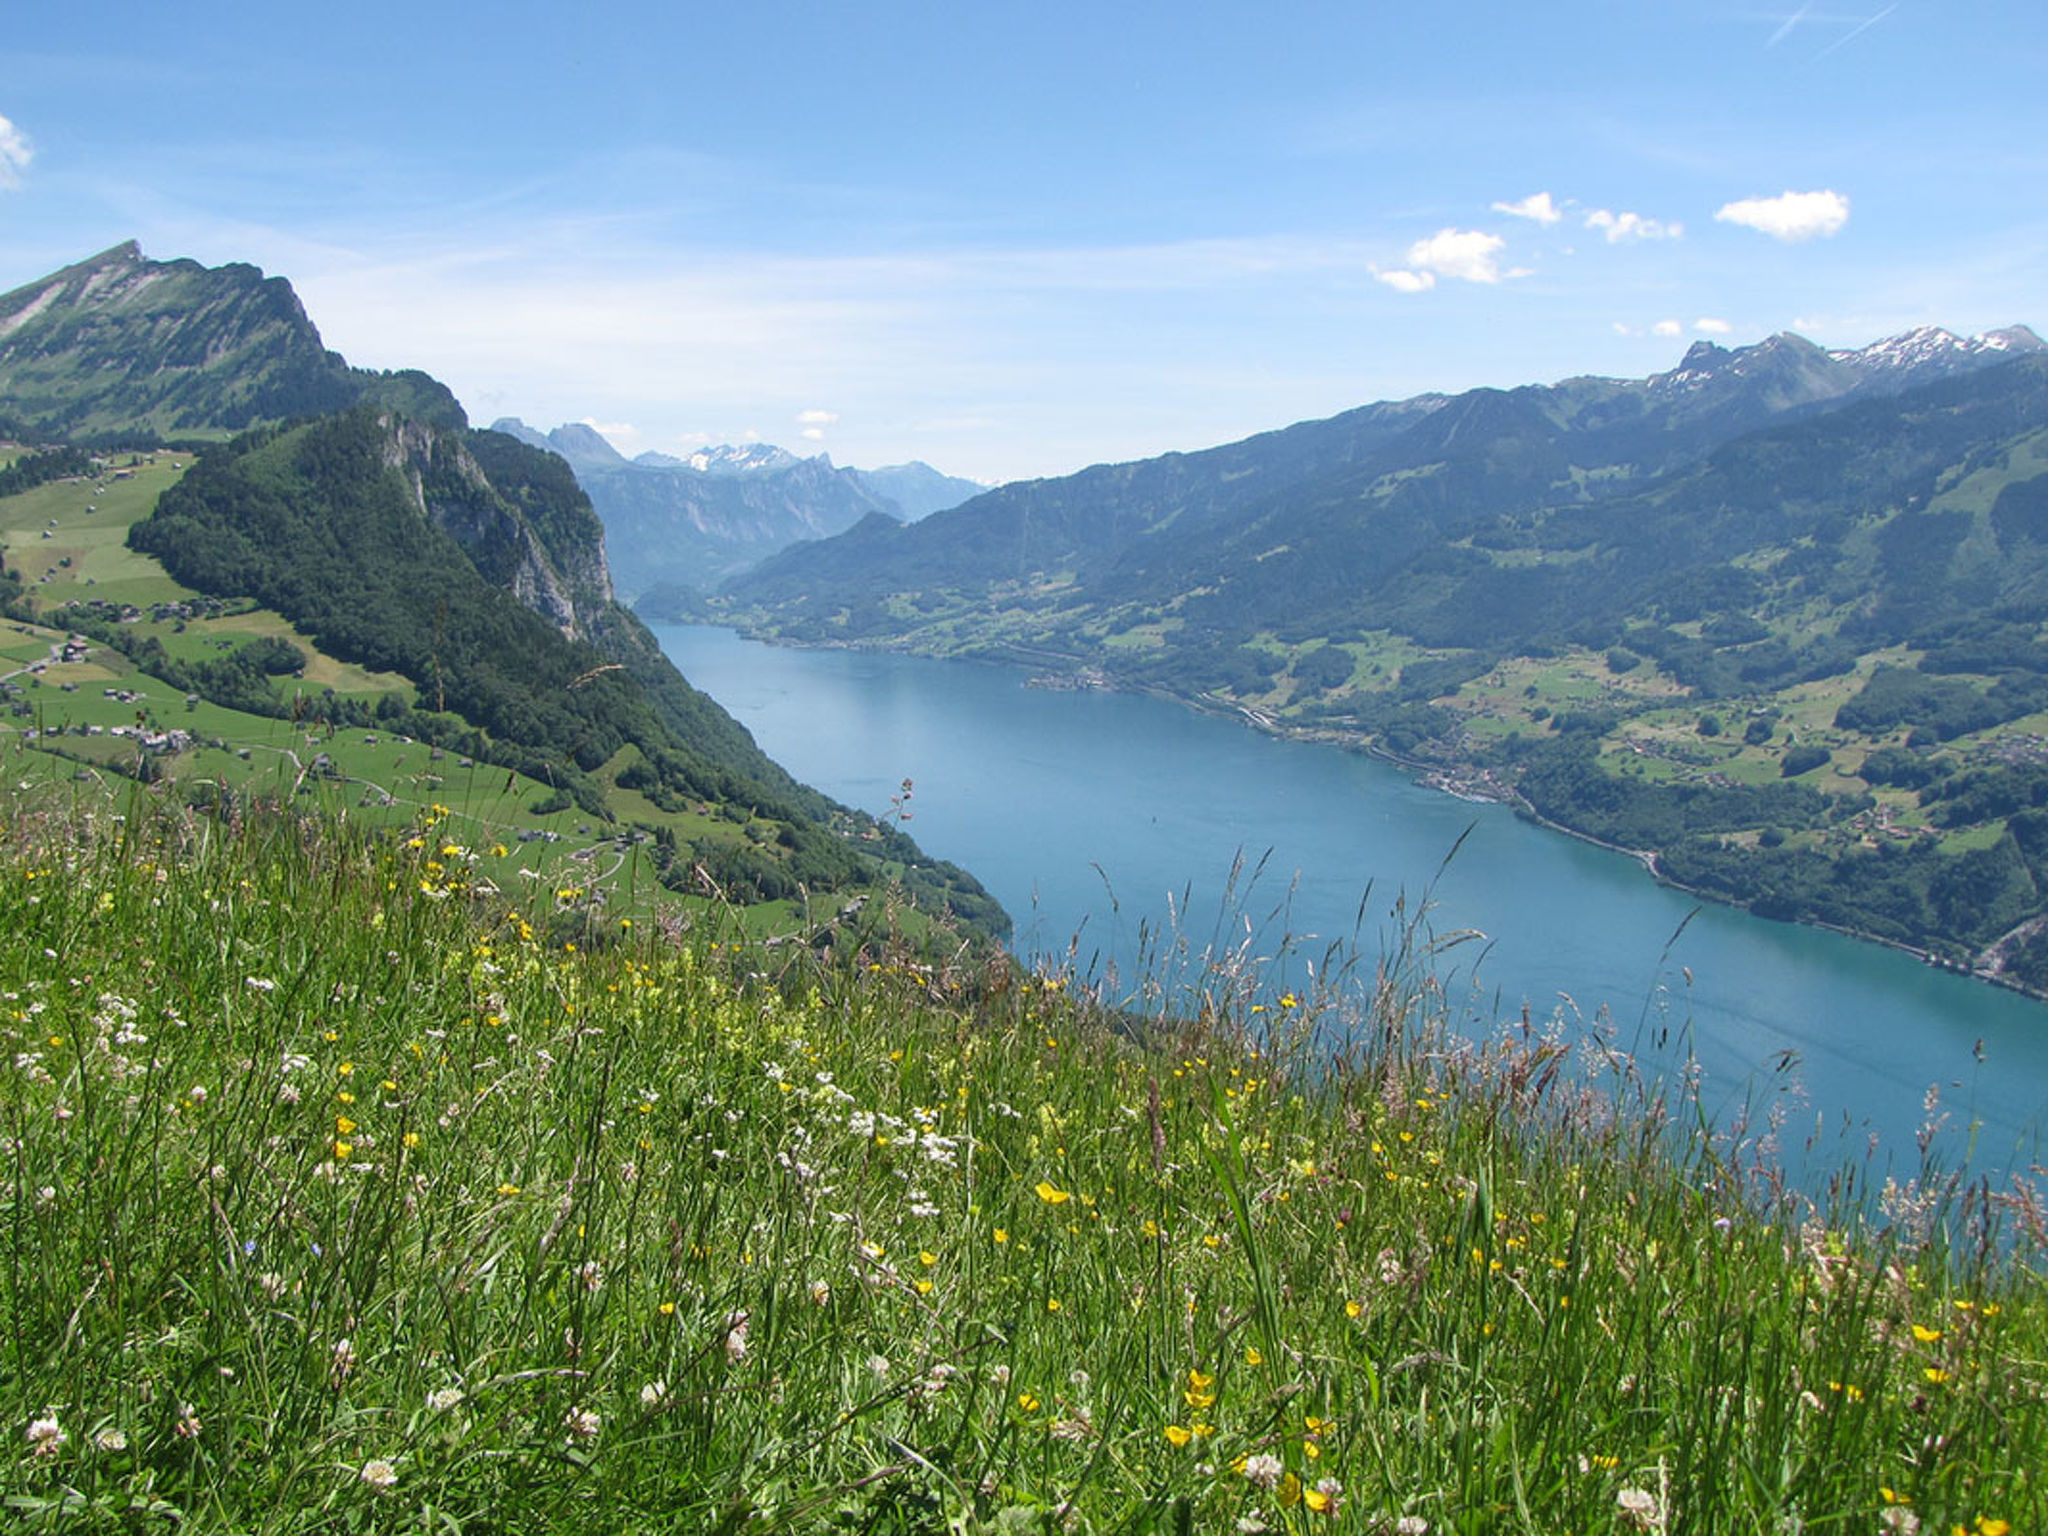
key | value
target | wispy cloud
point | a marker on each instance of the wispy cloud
(1624, 227)
(1789, 215)
(1537, 206)
(1709, 326)
(1666, 328)
(1855, 32)
(1785, 27)
(814, 423)
(15, 153)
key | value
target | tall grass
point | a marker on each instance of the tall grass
(340, 1199)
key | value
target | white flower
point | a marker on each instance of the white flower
(1640, 1508)
(344, 1361)
(380, 1475)
(582, 1424)
(1263, 1470)
(110, 1440)
(46, 1435)
(188, 1422)
(736, 1335)
(259, 984)
(591, 1273)
(441, 1399)
(878, 1364)
(1000, 1375)
(653, 1395)
(1411, 1525)
(1898, 1520)
(821, 1293)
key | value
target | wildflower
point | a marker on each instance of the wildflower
(591, 1273)
(45, 1436)
(110, 1440)
(188, 1422)
(1177, 1435)
(1897, 1520)
(1411, 1525)
(343, 1361)
(1051, 1195)
(1027, 1402)
(821, 1294)
(582, 1424)
(653, 1395)
(736, 1327)
(1326, 1498)
(1000, 1375)
(1925, 1334)
(380, 1475)
(1263, 1471)
(1639, 1507)
(441, 1399)
(879, 1366)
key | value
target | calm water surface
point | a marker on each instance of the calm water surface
(1109, 819)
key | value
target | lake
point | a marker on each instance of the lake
(1102, 821)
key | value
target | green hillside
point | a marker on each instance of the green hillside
(1784, 631)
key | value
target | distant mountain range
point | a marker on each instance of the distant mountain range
(1777, 617)
(690, 523)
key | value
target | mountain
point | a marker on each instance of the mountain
(121, 349)
(1771, 617)
(1398, 475)
(917, 489)
(689, 523)
(455, 581)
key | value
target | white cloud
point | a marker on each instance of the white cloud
(1618, 227)
(612, 430)
(15, 153)
(1466, 253)
(816, 419)
(813, 434)
(1666, 328)
(1405, 281)
(1708, 326)
(1790, 215)
(1537, 206)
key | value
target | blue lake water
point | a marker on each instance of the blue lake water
(1102, 821)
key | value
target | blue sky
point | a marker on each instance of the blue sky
(1016, 240)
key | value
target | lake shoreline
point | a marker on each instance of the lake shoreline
(1460, 779)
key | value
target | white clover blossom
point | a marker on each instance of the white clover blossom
(46, 1436)
(1263, 1470)
(380, 1475)
(441, 1399)
(582, 1424)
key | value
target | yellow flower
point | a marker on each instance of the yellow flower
(1253, 1357)
(1027, 1402)
(1924, 1334)
(1316, 1499)
(1290, 1490)
(1178, 1436)
(343, 1126)
(1935, 1374)
(1052, 1303)
(927, 1259)
(1352, 1309)
(1051, 1195)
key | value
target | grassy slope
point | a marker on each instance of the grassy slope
(380, 779)
(334, 1209)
